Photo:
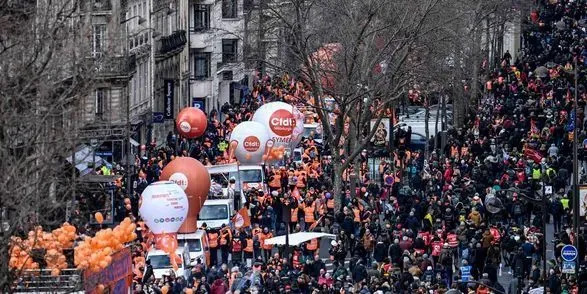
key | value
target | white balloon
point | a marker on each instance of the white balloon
(252, 141)
(285, 123)
(164, 207)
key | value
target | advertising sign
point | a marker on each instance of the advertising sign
(168, 101)
(382, 133)
(164, 207)
(583, 199)
(117, 276)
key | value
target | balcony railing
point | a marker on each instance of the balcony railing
(115, 66)
(172, 43)
(96, 5)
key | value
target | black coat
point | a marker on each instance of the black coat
(380, 251)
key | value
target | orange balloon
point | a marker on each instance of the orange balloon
(193, 177)
(167, 243)
(191, 122)
(99, 217)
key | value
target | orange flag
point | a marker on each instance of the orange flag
(315, 224)
(241, 219)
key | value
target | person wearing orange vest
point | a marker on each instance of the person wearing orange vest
(311, 248)
(236, 247)
(266, 247)
(275, 181)
(213, 244)
(249, 247)
(225, 237)
(309, 210)
(329, 203)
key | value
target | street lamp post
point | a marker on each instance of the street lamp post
(576, 200)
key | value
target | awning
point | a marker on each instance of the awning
(298, 238)
(84, 159)
(134, 143)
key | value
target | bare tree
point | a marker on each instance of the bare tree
(43, 76)
(362, 54)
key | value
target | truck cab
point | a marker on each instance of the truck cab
(197, 246)
(215, 213)
(161, 263)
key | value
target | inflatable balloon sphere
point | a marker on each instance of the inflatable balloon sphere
(191, 122)
(193, 177)
(285, 123)
(164, 207)
(250, 143)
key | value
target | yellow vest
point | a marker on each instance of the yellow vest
(565, 202)
(536, 174)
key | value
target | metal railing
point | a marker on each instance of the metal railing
(96, 5)
(115, 65)
(41, 281)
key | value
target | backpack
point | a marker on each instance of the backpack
(517, 209)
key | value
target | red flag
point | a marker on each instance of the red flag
(533, 155)
(241, 218)
(533, 128)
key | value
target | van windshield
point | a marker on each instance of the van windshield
(194, 245)
(213, 212)
(249, 176)
(161, 261)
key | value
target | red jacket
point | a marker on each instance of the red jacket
(218, 287)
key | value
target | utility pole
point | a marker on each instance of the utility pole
(576, 200)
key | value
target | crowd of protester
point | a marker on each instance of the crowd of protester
(453, 222)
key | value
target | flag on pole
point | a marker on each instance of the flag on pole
(241, 218)
(572, 119)
(315, 224)
(533, 128)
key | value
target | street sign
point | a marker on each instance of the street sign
(548, 190)
(569, 253)
(568, 267)
(466, 273)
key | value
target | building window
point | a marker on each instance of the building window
(201, 17)
(202, 61)
(100, 101)
(229, 8)
(229, 50)
(99, 40)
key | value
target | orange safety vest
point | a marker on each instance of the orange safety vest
(294, 215)
(249, 247)
(357, 213)
(236, 245)
(224, 238)
(213, 240)
(330, 203)
(313, 245)
(256, 231)
(301, 183)
(263, 238)
(276, 182)
(309, 214)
